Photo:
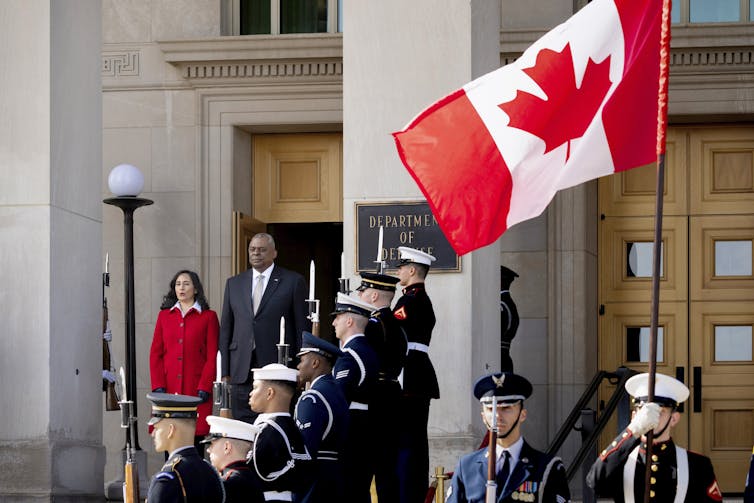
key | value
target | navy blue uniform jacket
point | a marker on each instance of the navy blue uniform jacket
(322, 416)
(185, 472)
(535, 478)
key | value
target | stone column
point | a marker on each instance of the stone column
(50, 242)
(398, 58)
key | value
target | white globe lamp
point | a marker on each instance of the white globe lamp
(125, 180)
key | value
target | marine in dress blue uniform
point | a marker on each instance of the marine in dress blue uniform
(185, 476)
(322, 416)
(677, 475)
(229, 442)
(356, 374)
(523, 473)
(281, 462)
(390, 344)
(416, 317)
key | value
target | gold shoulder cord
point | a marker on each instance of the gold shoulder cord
(180, 479)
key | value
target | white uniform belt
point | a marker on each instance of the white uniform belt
(358, 406)
(418, 347)
(278, 495)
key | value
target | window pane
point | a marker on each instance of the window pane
(639, 260)
(732, 258)
(675, 12)
(714, 11)
(751, 10)
(637, 344)
(255, 17)
(732, 343)
(340, 16)
(303, 16)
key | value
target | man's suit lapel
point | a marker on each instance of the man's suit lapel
(245, 286)
(272, 285)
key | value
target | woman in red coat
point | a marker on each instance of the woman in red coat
(183, 355)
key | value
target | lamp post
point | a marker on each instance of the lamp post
(126, 182)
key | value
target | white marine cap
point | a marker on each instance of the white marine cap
(409, 255)
(668, 391)
(349, 304)
(276, 372)
(223, 427)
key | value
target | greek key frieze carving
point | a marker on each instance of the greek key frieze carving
(120, 64)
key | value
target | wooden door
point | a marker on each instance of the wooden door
(706, 289)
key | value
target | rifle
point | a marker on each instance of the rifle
(490, 495)
(221, 392)
(313, 303)
(128, 421)
(108, 381)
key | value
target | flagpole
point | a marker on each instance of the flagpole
(662, 122)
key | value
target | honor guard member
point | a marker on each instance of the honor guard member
(229, 441)
(356, 372)
(185, 476)
(677, 475)
(416, 317)
(523, 473)
(390, 344)
(322, 416)
(281, 462)
(508, 318)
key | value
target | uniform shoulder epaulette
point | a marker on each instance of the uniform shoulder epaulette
(171, 464)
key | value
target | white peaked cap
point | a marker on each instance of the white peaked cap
(350, 304)
(276, 372)
(414, 255)
(666, 388)
(231, 428)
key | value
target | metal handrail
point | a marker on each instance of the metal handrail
(622, 374)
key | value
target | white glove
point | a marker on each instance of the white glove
(645, 419)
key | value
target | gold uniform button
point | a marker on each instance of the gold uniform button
(651, 494)
(655, 458)
(654, 468)
(652, 480)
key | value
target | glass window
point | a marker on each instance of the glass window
(733, 343)
(261, 17)
(733, 258)
(637, 344)
(639, 259)
(714, 11)
(255, 17)
(303, 16)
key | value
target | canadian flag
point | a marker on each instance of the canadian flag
(580, 103)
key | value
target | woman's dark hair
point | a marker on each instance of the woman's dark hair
(170, 298)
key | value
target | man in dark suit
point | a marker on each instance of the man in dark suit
(185, 476)
(253, 304)
(416, 318)
(522, 472)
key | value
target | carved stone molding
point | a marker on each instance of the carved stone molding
(245, 70)
(120, 64)
(238, 60)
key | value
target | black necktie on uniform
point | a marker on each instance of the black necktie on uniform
(505, 471)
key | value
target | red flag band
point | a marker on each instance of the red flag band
(580, 103)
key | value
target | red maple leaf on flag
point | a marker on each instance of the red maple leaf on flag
(568, 110)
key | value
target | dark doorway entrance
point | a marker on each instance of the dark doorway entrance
(298, 244)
